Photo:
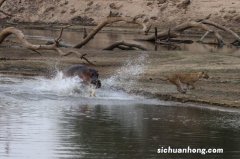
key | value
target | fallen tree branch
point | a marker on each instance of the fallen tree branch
(205, 18)
(21, 38)
(85, 34)
(124, 45)
(58, 39)
(204, 35)
(160, 35)
(121, 47)
(178, 41)
(175, 32)
(39, 53)
(148, 29)
(81, 56)
(236, 43)
(109, 20)
(168, 44)
(156, 38)
(219, 42)
(183, 41)
(54, 46)
(60, 44)
(210, 43)
(235, 35)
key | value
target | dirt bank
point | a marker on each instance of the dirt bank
(164, 13)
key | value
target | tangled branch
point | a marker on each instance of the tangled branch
(175, 32)
(34, 47)
(21, 38)
(109, 20)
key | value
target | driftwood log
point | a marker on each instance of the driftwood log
(109, 20)
(79, 55)
(56, 45)
(21, 38)
(235, 35)
(167, 35)
(203, 24)
(125, 46)
(175, 32)
(35, 47)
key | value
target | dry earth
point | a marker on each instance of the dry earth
(164, 13)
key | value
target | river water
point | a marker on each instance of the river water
(55, 118)
(104, 39)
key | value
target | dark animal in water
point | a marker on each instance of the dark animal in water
(88, 75)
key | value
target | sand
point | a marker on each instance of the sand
(164, 13)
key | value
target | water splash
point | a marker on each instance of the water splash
(128, 74)
(125, 77)
(59, 85)
(72, 86)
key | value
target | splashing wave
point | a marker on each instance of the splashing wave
(128, 74)
(59, 85)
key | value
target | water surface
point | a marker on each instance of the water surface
(41, 120)
(104, 39)
(55, 118)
